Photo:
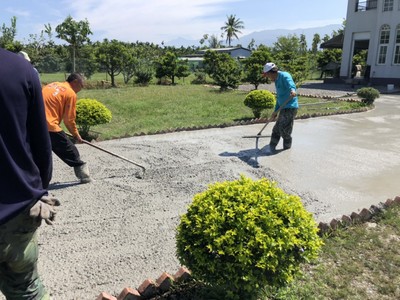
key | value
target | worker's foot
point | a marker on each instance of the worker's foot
(82, 172)
(272, 148)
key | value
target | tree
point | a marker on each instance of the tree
(170, 66)
(223, 69)
(253, 66)
(75, 33)
(315, 43)
(214, 41)
(129, 65)
(8, 36)
(303, 44)
(251, 44)
(289, 56)
(112, 56)
(232, 28)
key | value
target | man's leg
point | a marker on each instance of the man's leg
(65, 149)
(275, 136)
(286, 128)
(68, 153)
(19, 278)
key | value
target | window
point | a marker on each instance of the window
(366, 5)
(396, 58)
(388, 5)
(383, 44)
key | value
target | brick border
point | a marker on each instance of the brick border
(363, 216)
(150, 289)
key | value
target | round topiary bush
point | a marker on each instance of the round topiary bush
(258, 100)
(368, 95)
(244, 235)
(90, 112)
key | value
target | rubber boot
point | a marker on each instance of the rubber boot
(287, 143)
(82, 172)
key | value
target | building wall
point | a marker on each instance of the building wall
(366, 25)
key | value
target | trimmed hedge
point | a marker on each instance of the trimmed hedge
(244, 235)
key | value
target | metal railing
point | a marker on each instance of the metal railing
(366, 5)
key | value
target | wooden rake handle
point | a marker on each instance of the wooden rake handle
(279, 109)
(111, 153)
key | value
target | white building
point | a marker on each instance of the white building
(373, 25)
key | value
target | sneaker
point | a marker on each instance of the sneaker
(82, 172)
(272, 148)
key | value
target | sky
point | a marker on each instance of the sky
(158, 21)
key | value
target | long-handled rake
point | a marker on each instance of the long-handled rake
(138, 175)
(268, 121)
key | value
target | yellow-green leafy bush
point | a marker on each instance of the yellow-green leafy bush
(258, 100)
(244, 235)
(90, 112)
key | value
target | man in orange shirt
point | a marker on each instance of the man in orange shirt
(60, 105)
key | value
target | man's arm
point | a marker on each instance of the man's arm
(69, 117)
(38, 133)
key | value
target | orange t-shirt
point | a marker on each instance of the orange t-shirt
(60, 105)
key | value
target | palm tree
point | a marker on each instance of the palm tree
(231, 28)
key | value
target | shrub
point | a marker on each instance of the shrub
(200, 78)
(368, 95)
(244, 235)
(258, 100)
(90, 112)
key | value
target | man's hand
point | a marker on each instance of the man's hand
(44, 209)
(78, 139)
(273, 116)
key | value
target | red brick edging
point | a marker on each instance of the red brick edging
(149, 289)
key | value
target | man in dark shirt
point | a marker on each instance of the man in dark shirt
(26, 168)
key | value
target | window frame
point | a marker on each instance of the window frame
(396, 49)
(384, 38)
(388, 5)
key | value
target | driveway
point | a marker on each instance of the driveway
(120, 230)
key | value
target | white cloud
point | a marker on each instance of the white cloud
(18, 12)
(152, 20)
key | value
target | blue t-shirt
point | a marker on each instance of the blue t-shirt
(284, 84)
(25, 148)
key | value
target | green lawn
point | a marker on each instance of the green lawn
(154, 108)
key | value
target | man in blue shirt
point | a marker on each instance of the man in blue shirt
(286, 104)
(26, 169)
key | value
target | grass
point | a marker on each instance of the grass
(156, 107)
(360, 262)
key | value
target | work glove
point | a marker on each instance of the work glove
(44, 209)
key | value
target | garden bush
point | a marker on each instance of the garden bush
(258, 100)
(368, 95)
(90, 112)
(244, 235)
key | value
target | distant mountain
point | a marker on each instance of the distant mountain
(267, 37)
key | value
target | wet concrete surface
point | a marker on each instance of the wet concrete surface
(345, 162)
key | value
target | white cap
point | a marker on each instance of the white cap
(269, 66)
(24, 55)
